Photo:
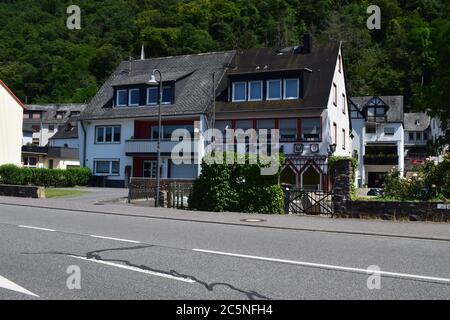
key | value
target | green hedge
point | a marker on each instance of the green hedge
(237, 188)
(11, 174)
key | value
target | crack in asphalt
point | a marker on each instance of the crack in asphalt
(95, 254)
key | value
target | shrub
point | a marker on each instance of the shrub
(11, 174)
(237, 187)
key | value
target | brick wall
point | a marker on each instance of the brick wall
(22, 191)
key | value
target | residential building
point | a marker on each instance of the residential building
(50, 157)
(417, 137)
(45, 120)
(11, 110)
(299, 90)
(378, 137)
(119, 128)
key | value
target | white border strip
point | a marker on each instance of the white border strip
(36, 228)
(331, 267)
(153, 273)
(116, 239)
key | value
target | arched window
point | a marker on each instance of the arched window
(311, 179)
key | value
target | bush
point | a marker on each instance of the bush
(11, 174)
(237, 187)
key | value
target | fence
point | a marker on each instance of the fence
(178, 195)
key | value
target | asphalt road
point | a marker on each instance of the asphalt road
(121, 257)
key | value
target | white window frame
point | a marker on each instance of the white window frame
(104, 134)
(117, 97)
(110, 167)
(284, 91)
(233, 91)
(129, 97)
(281, 89)
(148, 95)
(250, 90)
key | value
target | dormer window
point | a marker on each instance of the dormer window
(152, 96)
(59, 114)
(134, 98)
(255, 90)
(121, 99)
(290, 89)
(273, 89)
(239, 91)
(167, 95)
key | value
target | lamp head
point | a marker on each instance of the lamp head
(152, 81)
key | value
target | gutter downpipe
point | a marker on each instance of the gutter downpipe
(84, 143)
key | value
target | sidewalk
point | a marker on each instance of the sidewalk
(420, 230)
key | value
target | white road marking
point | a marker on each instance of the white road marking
(7, 284)
(331, 267)
(36, 228)
(116, 239)
(153, 273)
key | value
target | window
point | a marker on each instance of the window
(50, 164)
(222, 126)
(36, 128)
(35, 141)
(311, 129)
(265, 124)
(36, 115)
(244, 124)
(291, 89)
(343, 139)
(273, 89)
(121, 99)
(334, 133)
(149, 169)
(371, 128)
(107, 167)
(425, 136)
(239, 91)
(335, 94)
(418, 136)
(411, 136)
(344, 103)
(152, 96)
(340, 63)
(51, 128)
(389, 131)
(134, 97)
(108, 134)
(288, 129)
(30, 161)
(167, 131)
(255, 91)
(167, 95)
(26, 115)
(74, 113)
(59, 115)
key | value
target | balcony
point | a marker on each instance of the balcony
(381, 159)
(148, 146)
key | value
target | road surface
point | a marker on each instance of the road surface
(126, 257)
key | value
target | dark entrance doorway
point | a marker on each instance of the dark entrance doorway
(376, 179)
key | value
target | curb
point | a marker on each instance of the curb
(391, 235)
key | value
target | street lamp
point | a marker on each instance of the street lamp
(153, 82)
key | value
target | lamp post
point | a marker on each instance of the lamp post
(152, 81)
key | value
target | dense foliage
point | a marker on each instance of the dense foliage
(11, 174)
(431, 182)
(238, 188)
(45, 62)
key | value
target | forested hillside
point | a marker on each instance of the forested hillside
(43, 61)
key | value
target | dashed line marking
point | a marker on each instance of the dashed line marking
(36, 228)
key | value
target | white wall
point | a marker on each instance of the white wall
(71, 143)
(11, 117)
(106, 151)
(336, 115)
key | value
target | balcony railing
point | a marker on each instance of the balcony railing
(150, 146)
(379, 118)
(381, 159)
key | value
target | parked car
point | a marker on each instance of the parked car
(375, 192)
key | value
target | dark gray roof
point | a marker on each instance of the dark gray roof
(49, 113)
(66, 132)
(55, 152)
(318, 65)
(417, 121)
(395, 104)
(193, 90)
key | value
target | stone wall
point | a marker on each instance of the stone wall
(342, 184)
(22, 191)
(395, 210)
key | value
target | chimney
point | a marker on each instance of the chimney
(307, 43)
(142, 53)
